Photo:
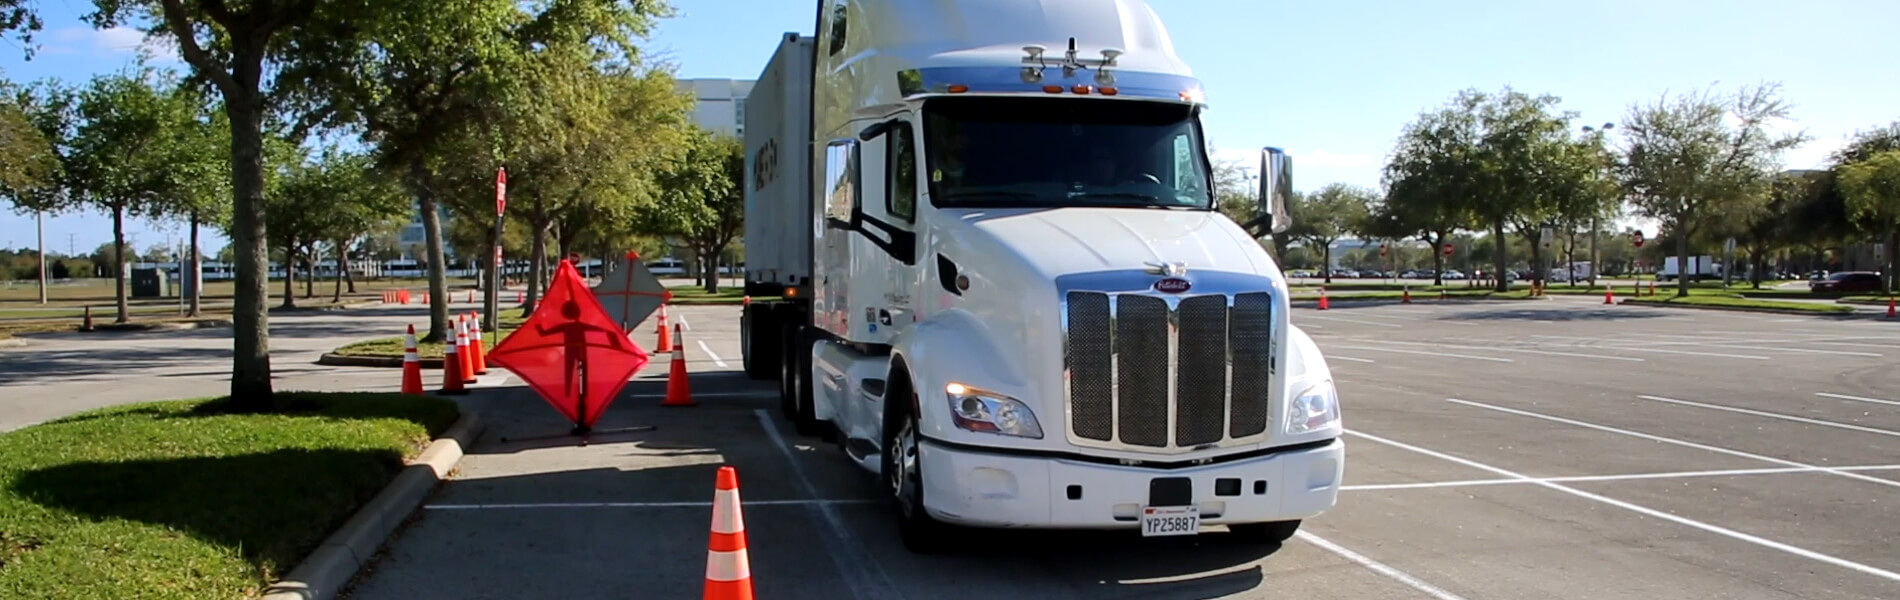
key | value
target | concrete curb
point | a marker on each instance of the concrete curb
(333, 564)
(339, 360)
(1772, 311)
(12, 343)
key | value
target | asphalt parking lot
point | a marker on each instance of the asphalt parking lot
(1554, 449)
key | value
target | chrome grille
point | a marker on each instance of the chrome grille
(1167, 372)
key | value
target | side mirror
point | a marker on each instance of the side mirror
(1276, 188)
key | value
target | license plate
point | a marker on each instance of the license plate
(1170, 520)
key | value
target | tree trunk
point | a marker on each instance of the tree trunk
(1438, 259)
(342, 267)
(1326, 261)
(437, 254)
(712, 272)
(1500, 254)
(1893, 259)
(349, 276)
(1682, 260)
(197, 270)
(118, 263)
(537, 258)
(290, 275)
(310, 264)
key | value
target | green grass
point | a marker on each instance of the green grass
(188, 499)
(1418, 295)
(698, 296)
(392, 347)
(1738, 302)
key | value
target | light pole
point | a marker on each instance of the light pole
(1596, 215)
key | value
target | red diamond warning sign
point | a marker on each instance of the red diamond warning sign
(570, 351)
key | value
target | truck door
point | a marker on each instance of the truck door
(884, 252)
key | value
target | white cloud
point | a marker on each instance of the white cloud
(113, 42)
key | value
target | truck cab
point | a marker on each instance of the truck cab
(1005, 287)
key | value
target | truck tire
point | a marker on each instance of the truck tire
(759, 345)
(1265, 533)
(902, 471)
(794, 382)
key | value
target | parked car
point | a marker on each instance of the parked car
(1847, 281)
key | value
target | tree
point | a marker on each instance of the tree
(1685, 166)
(115, 153)
(701, 201)
(228, 48)
(1326, 215)
(1427, 178)
(1872, 188)
(419, 69)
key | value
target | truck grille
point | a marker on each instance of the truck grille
(1144, 373)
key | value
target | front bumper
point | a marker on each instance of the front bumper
(984, 489)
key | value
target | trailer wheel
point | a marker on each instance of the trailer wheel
(759, 345)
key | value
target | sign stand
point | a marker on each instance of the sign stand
(566, 342)
(581, 430)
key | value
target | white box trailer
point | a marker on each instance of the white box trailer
(1005, 288)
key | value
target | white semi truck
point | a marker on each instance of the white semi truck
(1006, 287)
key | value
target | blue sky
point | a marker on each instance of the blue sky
(1333, 82)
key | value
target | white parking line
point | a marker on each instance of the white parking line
(1378, 567)
(1857, 398)
(1511, 349)
(858, 571)
(1427, 485)
(1714, 354)
(708, 350)
(1372, 323)
(706, 504)
(1770, 415)
(1677, 442)
(1338, 357)
(1489, 358)
(683, 323)
(1718, 530)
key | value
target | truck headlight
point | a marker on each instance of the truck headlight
(981, 410)
(1314, 409)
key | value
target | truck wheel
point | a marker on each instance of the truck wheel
(903, 476)
(759, 345)
(1265, 533)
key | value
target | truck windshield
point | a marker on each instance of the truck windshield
(1050, 152)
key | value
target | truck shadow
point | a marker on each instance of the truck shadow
(638, 501)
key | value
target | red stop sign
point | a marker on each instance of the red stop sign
(1636, 237)
(1447, 249)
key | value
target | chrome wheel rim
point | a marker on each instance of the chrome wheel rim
(903, 476)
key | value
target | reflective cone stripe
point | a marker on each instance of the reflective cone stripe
(462, 351)
(728, 569)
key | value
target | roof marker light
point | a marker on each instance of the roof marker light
(958, 88)
(1080, 89)
(1053, 89)
(1109, 91)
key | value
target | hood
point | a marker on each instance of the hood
(1081, 240)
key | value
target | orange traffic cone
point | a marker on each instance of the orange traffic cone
(679, 390)
(467, 354)
(746, 301)
(452, 383)
(1407, 298)
(728, 569)
(1891, 310)
(1444, 295)
(1609, 296)
(666, 341)
(1322, 298)
(479, 354)
(411, 365)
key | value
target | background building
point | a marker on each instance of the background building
(719, 104)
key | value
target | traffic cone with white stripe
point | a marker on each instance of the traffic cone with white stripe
(480, 353)
(728, 569)
(452, 384)
(666, 341)
(466, 354)
(679, 391)
(411, 365)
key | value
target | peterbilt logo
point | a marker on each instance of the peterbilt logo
(1172, 285)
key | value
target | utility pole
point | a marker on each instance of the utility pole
(39, 223)
(1597, 216)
